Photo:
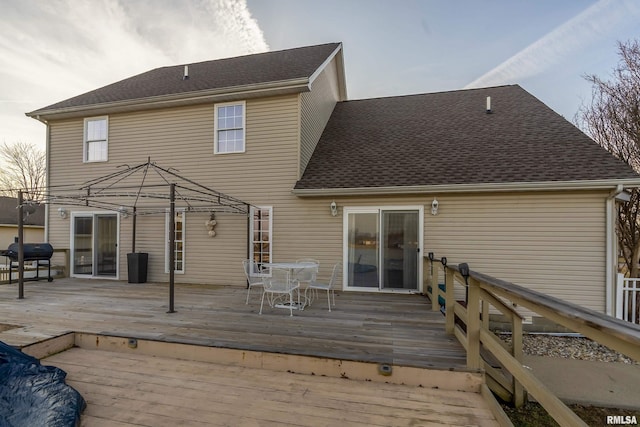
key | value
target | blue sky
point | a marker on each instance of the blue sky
(50, 51)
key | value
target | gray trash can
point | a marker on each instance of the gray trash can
(137, 267)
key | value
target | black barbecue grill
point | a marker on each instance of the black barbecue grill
(32, 252)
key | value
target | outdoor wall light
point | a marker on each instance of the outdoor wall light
(434, 206)
(123, 211)
(334, 208)
(62, 212)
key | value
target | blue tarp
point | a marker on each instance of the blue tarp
(35, 395)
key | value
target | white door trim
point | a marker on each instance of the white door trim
(92, 215)
(347, 210)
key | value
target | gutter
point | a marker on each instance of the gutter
(611, 267)
(47, 207)
(468, 188)
(163, 101)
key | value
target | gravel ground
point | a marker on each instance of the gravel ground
(568, 347)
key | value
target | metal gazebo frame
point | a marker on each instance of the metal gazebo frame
(108, 191)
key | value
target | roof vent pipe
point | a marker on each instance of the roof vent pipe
(186, 73)
(488, 105)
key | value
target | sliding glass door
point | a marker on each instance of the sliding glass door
(400, 249)
(94, 244)
(363, 250)
(382, 248)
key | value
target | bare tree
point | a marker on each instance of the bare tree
(613, 121)
(24, 168)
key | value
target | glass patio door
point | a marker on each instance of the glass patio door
(106, 244)
(95, 244)
(382, 249)
(400, 250)
(82, 245)
(363, 250)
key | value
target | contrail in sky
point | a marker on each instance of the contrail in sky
(574, 35)
(52, 50)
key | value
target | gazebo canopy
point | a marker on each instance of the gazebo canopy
(126, 188)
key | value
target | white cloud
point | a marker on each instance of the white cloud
(52, 50)
(573, 36)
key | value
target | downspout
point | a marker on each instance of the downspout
(611, 249)
(47, 178)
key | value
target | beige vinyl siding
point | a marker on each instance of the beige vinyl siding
(182, 138)
(553, 242)
(32, 234)
(550, 242)
(315, 109)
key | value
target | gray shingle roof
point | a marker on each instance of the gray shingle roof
(8, 213)
(448, 138)
(218, 74)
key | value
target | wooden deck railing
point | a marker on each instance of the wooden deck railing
(467, 317)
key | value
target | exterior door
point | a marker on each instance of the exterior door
(82, 240)
(94, 244)
(400, 250)
(106, 245)
(382, 249)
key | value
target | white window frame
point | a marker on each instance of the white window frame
(216, 129)
(86, 141)
(252, 229)
(181, 211)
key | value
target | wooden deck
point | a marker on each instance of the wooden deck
(396, 329)
(261, 380)
(132, 389)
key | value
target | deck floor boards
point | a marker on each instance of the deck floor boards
(384, 328)
(130, 389)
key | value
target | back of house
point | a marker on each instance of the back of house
(269, 147)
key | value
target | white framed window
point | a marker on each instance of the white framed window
(229, 128)
(261, 227)
(96, 137)
(179, 236)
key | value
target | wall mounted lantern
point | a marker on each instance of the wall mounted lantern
(62, 212)
(334, 208)
(434, 206)
(123, 212)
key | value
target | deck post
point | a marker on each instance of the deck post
(517, 353)
(449, 301)
(67, 263)
(20, 247)
(432, 283)
(485, 314)
(473, 326)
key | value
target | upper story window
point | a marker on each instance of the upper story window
(229, 128)
(96, 131)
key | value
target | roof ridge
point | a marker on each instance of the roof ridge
(268, 52)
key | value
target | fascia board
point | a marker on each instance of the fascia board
(164, 101)
(337, 54)
(471, 188)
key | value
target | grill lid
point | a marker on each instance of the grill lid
(32, 251)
